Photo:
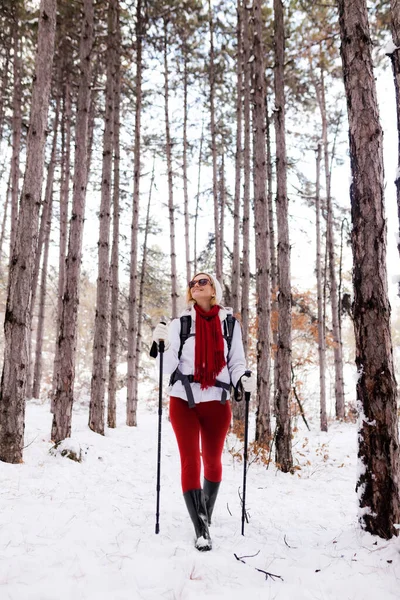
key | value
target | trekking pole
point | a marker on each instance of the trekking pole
(161, 347)
(246, 432)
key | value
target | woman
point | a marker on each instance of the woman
(203, 370)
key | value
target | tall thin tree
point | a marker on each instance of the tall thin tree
(213, 131)
(337, 349)
(168, 151)
(114, 267)
(65, 376)
(245, 275)
(102, 316)
(66, 127)
(395, 58)
(378, 451)
(321, 322)
(261, 223)
(131, 400)
(18, 309)
(238, 161)
(284, 350)
(16, 124)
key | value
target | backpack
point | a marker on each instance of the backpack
(186, 324)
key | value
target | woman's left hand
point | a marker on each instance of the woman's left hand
(249, 383)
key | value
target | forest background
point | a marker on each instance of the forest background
(148, 102)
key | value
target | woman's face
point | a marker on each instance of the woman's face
(201, 288)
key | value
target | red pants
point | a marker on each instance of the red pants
(210, 422)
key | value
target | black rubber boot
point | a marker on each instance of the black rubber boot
(210, 492)
(196, 506)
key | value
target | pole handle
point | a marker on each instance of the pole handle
(161, 343)
(247, 394)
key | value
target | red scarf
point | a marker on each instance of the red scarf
(209, 355)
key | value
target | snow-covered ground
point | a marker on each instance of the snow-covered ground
(71, 531)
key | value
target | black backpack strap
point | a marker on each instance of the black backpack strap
(229, 324)
(186, 325)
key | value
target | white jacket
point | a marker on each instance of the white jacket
(231, 373)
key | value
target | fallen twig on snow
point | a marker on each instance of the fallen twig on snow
(284, 539)
(266, 573)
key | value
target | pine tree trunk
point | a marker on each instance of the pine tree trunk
(284, 350)
(64, 392)
(37, 369)
(211, 75)
(142, 277)
(17, 318)
(246, 184)
(222, 202)
(238, 164)
(16, 131)
(196, 214)
(102, 317)
(4, 84)
(185, 175)
(114, 326)
(4, 221)
(337, 349)
(395, 58)
(378, 453)
(131, 400)
(44, 219)
(321, 322)
(263, 284)
(64, 195)
(272, 248)
(171, 208)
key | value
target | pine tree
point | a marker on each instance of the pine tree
(18, 310)
(378, 452)
(102, 318)
(65, 375)
(283, 357)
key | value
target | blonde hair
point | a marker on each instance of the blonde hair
(190, 301)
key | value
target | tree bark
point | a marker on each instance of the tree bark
(196, 214)
(185, 175)
(211, 76)
(142, 276)
(17, 318)
(4, 83)
(246, 181)
(284, 350)
(238, 163)
(4, 221)
(321, 321)
(16, 131)
(171, 208)
(337, 348)
(102, 317)
(44, 219)
(263, 260)
(37, 369)
(64, 392)
(114, 326)
(378, 452)
(272, 247)
(64, 195)
(131, 401)
(222, 202)
(395, 59)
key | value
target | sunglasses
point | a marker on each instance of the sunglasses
(198, 281)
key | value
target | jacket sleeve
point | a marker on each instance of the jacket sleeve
(171, 360)
(236, 359)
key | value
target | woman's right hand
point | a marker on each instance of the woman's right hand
(160, 333)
